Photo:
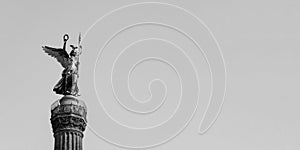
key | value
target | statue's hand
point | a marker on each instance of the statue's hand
(80, 49)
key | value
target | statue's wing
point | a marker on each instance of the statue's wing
(60, 54)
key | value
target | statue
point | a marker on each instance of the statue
(67, 85)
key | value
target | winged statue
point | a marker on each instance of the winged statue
(67, 85)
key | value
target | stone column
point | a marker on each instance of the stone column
(68, 119)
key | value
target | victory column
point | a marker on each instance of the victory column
(68, 114)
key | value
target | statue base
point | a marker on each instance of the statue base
(68, 119)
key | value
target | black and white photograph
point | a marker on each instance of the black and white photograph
(150, 75)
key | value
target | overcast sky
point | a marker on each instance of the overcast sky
(260, 44)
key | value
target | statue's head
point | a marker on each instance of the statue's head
(74, 51)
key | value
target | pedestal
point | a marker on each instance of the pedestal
(68, 119)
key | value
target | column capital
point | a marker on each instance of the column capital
(68, 120)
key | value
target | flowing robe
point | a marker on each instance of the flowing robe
(67, 85)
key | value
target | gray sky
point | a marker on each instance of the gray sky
(259, 40)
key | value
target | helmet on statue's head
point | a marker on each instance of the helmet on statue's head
(74, 50)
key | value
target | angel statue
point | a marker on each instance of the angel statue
(67, 85)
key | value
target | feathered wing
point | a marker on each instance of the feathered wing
(61, 55)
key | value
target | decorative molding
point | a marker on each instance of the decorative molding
(69, 109)
(68, 122)
(67, 114)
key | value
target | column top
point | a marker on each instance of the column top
(69, 105)
(68, 113)
(68, 100)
